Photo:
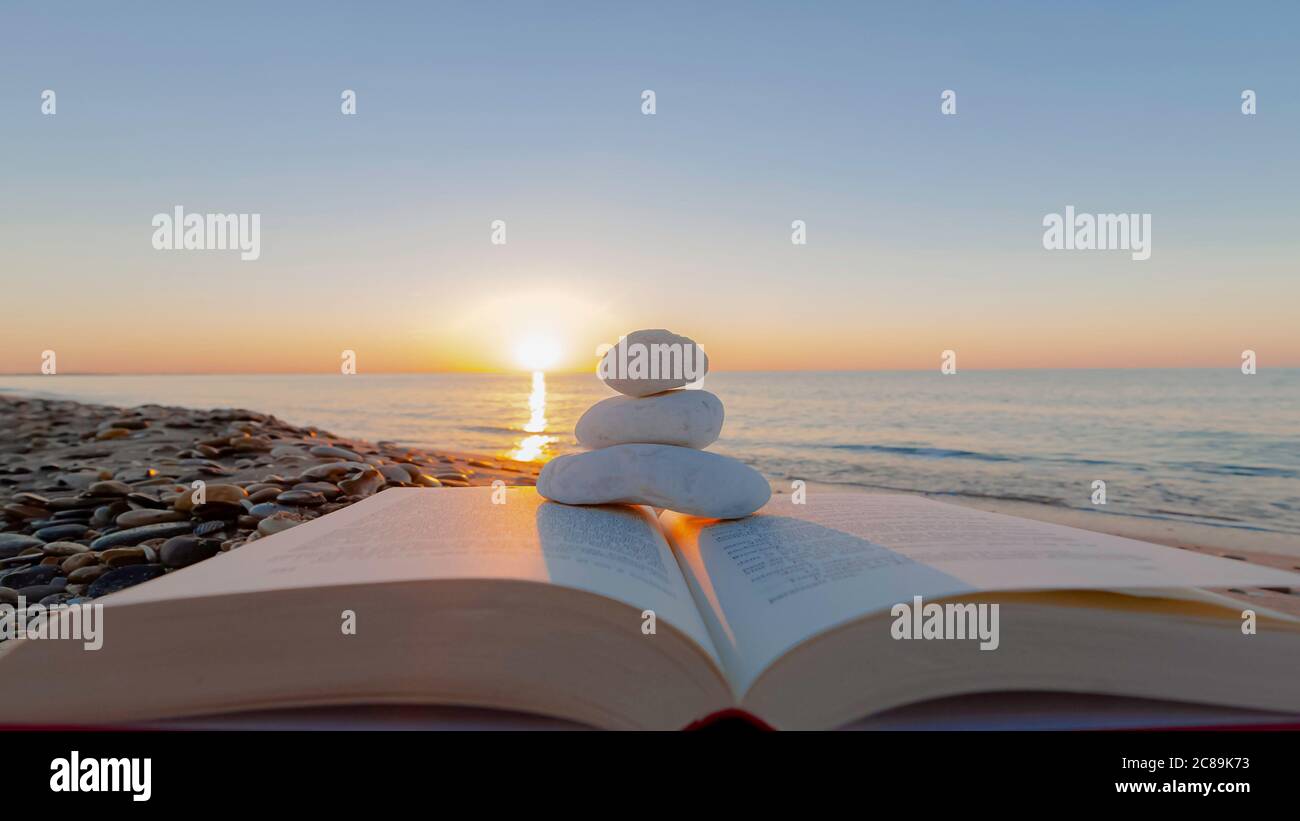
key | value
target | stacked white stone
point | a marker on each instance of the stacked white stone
(646, 447)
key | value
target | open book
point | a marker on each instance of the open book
(802, 616)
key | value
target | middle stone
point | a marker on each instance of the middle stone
(687, 418)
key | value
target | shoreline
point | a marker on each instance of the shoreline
(81, 468)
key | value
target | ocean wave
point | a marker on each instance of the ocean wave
(926, 452)
(1219, 469)
(929, 453)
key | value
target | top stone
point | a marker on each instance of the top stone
(652, 361)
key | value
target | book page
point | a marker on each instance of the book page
(409, 534)
(790, 572)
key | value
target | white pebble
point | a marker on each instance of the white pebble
(689, 481)
(652, 361)
(691, 419)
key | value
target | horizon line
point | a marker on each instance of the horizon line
(566, 372)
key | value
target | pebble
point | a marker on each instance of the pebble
(331, 471)
(86, 575)
(690, 481)
(25, 511)
(309, 498)
(266, 494)
(626, 366)
(109, 488)
(28, 576)
(123, 578)
(105, 516)
(123, 556)
(78, 561)
(690, 419)
(145, 500)
(11, 544)
(278, 523)
(55, 533)
(22, 560)
(327, 489)
(229, 494)
(183, 551)
(363, 485)
(214, 493)
(337, 453)
(135, 535)
(37, 592)
(74, 502)
(395, 474)
(269, 509)
(210, 528)
(64, 549)
(140, 518)
(82, 515)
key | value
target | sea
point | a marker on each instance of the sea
(1214, 447)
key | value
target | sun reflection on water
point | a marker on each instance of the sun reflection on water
(535, 448)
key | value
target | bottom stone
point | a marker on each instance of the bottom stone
(689, 481)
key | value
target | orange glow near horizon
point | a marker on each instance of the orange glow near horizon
(557, 330)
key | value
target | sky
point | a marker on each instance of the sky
(924, 230)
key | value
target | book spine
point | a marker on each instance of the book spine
(731, 714)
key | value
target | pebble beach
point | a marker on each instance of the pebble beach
(95, 499)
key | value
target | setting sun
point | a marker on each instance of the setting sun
(537, 353)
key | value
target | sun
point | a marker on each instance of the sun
(537, 353)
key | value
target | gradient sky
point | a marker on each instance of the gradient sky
(924, 230)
